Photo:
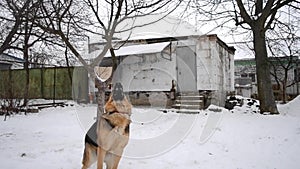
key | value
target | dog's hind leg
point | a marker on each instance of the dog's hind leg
(89, 156)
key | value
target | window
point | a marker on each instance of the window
(252, 76)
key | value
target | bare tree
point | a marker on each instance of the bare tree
(26, 31)
(255, 17)
(19, 35)
(23, 35)
(69, 19)
(11, 14)
(285, 55)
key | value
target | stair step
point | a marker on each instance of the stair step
(189, 93)
(186, 106)
(190, 96)
(189, 101)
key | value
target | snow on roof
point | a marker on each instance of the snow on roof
(140, 49)
(162, 26)
(9, 58)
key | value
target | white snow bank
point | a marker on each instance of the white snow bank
(291, 108)
(215, 108)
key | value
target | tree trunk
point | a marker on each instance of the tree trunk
(26, 64)
(265, 91)
(68, 64)
(26, 67)
(284, 96)
(101, 86)
(114, 59)
(284, 86)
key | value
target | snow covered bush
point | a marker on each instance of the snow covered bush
(242, 104)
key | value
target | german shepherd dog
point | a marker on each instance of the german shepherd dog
(107, 138)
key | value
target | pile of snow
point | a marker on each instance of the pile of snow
(291, 108)
(242, 104)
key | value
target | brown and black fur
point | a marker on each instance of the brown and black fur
(107, 138)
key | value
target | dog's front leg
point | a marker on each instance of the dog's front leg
(113, 162)
(100, 157)
(116, 161)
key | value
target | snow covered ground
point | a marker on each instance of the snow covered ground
(214, 138)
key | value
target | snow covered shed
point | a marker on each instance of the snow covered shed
(10, 62)
(185, 65)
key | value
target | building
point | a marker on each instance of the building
(184, 66)
(10, 62)
(246, 82)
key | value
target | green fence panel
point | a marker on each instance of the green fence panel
(18, 78)
(80, 84)
(46, 83)
(63, 83)
(5, 85)
(35, 84)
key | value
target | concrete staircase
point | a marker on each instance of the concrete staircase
(190, 101)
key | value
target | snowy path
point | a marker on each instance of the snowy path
(53, 139)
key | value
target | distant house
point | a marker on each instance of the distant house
(246, 82)
(245, 77)
(10, 62)
(189, 66)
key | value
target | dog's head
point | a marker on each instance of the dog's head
(117, 93)
(118, 110)
(117, 102)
